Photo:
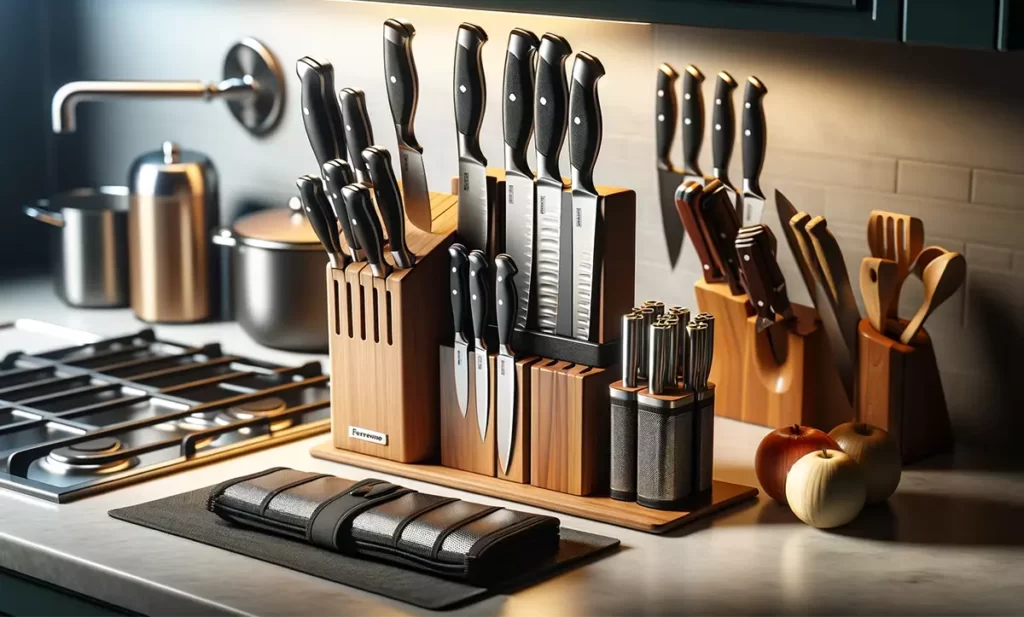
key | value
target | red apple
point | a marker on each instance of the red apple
(780, 449)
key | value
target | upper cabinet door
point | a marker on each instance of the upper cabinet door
(955, 23)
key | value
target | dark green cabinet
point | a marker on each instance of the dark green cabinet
(955, 23)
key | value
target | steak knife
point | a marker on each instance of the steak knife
(693, 124)
(508, 304)
(358, 133)
(339, 175)
(669, 178)
(478, 277)
(755, 138)
(551, 111)
(474, 224)
(517, 114)
(756, 280)
(723, 120)
(723, 225)
(459, 283)
(321, 218)
(403, 95)
(366, 227)
(389, 202)
(688, 198)
(588, 218)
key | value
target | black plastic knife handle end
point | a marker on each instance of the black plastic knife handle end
(469, 80)
(316, 117)
(755, 133)
(693, 119)
(389, 202)
(318, 212)
(478, 283)
(366, 227)
(357, 129)
(517, 108)
(551, 103)
(665, 114)
(401, 78)
(507, 297)
(723, 134)
(338, 174)
(584, 118)
(459, 284)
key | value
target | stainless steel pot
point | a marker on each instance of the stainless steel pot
(90, 253)
(278, 279)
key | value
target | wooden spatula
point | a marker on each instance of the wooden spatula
(896, 237)
(878, 286)
(941, 277)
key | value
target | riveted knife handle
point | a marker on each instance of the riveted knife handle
(389, 201)
(551, 104)
(321, 217)
(723, 121)
(693, 119)
(338, 174)
(765, 242)
(358, 133)
(402, 81)
(470, 86)
(665, 109)
(316, 117)
(478, 275)
(688, 198)
(755, 134)
(517, 107)
(459, 283)
(584, 120)
(507, 298)
(755, 279)
(366, 227)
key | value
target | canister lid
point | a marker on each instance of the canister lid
(277, 228)
(171, 171)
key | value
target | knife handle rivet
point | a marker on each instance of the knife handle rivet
(393, 80)
(462, 88)
(718, 127)
(499, 279)
(500, 303)
(474, 296)
(305, 111)
(746, 132)
(746, 258)
(576, 120)
(718, 101)
(543, 100)
(512, 97)
(687, 96)
(707, 267)
(455, 292)
(661, 117)
(661, 93)
(454, 269)
(747, 105)
(686, 121)
(760, 303)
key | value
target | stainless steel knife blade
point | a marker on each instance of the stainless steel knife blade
(755, 139)
(474, 222)
(505, 409)
(669, 178)
(459, 283)
(478, 282)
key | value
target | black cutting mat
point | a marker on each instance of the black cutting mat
(185, 515)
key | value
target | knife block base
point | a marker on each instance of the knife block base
(899, 389)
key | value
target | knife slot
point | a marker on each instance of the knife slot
(376, 321)
(362, 313)
(337, 308)
(387, 300)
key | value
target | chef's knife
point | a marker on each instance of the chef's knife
(478, 277)
(693, 124)
(389, 201)
(587, 218)
(366, 227)
(755, 138)
(688, 198)
(669, 178)
(722, 224)
(508, 304)
(403, 94)
(723, 121)
(551, 109)
(358, 133)
(321, 217)
(517, 114)
(474, 210)
(338, 174)
(459, 283)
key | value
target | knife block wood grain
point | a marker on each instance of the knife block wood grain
(384, 336)
(569, 437)
(900, 390)
(729, 365)
(519, 463)
(461, 446)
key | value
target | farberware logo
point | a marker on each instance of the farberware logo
(511, 193)
(465, 181)
(579, 217)
(543, 204)
(367, 435)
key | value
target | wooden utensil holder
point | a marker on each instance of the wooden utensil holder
(900, 390)
(383, 344)
(805, 389)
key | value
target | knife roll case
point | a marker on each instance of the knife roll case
(376, 519)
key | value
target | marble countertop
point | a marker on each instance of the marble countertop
(949, 542)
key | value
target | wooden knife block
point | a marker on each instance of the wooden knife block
(384, 336)
(900, 390)
(805, 389)
(569, 437)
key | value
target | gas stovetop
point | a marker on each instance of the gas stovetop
(91, 417)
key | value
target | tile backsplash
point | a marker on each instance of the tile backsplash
(852, 126)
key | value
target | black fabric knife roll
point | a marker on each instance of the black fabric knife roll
(376, 519)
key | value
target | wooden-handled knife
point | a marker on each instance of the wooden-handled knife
(723, 225)
(688, 196)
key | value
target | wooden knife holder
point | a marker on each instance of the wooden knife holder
(805, 389)
(899, 389)
(461, 446)
(384, 336)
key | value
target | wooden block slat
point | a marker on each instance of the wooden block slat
(461, 446)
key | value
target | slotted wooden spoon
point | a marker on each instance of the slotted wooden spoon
(896, 237)
(878, 285)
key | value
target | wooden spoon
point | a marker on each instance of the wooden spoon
(878, 286)
(925, 257)
(942, 277)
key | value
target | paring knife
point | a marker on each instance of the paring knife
(358, 133)
(478, 277)
(756, 280)
(403, 94)
(755, 138)
(722, 224)
(693, 124)
(366, 227)
(321, 218)
(588, 218)
(669, 178)
(389, 201)
(459, 283)
(688, 198)
(551, 110)
(723, 121)
(508, 305)
(474, 223)
(338, 174)
(517, 114)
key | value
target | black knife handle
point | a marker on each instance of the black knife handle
(693, 119)
(338, 174)
(665, 109)
(478, 274)
(389, 201)
(366, 227)
(755, 134)
(459, 283)
(358, 133)
(321, 217)
(584, 120)
(688, 198)
(470, 86)
(551, 104)
(724, 127)
(720, 220)
(401, 79)
(765, 243)
(517, 106)
(507, 298)
(315, 116)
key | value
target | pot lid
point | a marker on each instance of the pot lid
(280, 226)
(101, 198)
